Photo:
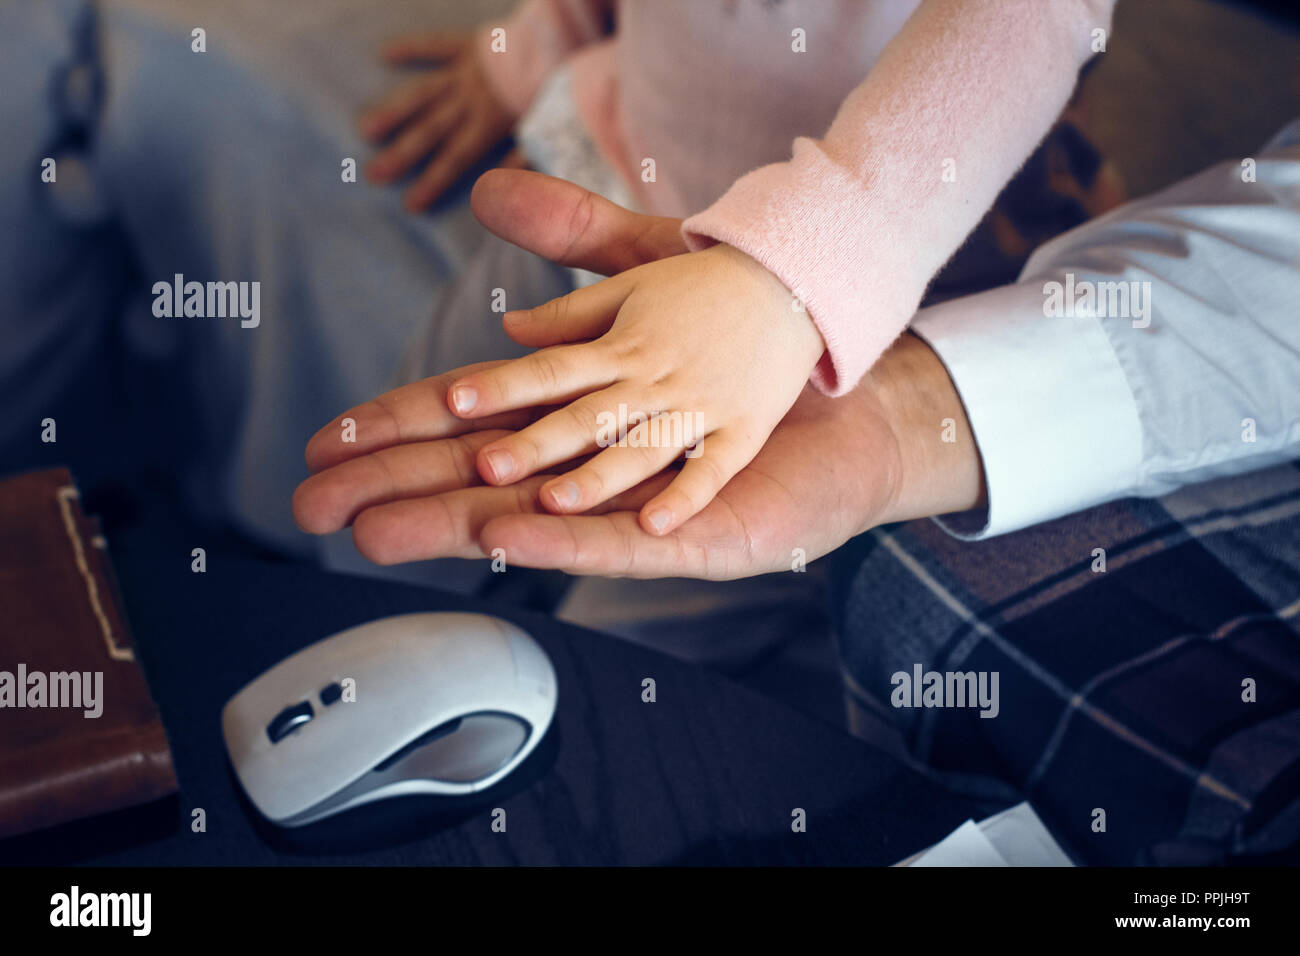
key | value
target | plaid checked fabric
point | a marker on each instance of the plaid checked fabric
(1163, 691)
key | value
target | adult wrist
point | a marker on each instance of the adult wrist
(940, 471)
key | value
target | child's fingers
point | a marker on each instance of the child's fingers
(457, 154)
(716, 461)
(417, 140)
(414, 412)
(439, 45)
(632, 499)
(583, 314)
(562, 435)
(550, 376)
(610, 473)
(401, 104)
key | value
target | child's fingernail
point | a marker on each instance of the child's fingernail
(463, 399)
(659, 519)
(501, 464)
(565, 494)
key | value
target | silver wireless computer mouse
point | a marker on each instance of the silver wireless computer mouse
(418, 703)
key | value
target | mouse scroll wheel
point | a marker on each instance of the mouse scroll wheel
(288, 720)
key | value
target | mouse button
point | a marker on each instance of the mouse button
(481, 745)
(289, 720)
(481, 658)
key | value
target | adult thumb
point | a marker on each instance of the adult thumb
(570, 225)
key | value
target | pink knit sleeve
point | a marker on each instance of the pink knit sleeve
(857, 223)
(539, 35)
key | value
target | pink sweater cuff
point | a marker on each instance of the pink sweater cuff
(806, 221)
(856, 223)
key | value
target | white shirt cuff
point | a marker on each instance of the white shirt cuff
(1051, 408)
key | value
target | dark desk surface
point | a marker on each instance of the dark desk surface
(710, 773)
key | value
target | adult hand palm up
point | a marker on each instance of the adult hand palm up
(409, 487)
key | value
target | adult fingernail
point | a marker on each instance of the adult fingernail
(565, 494)
(659, 519)
(501, 464)
(463, 399)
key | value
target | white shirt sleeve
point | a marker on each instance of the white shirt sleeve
(1153, 347)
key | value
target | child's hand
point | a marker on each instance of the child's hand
(708, 345)
(448, 116)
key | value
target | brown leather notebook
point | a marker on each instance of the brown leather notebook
(79, 732)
